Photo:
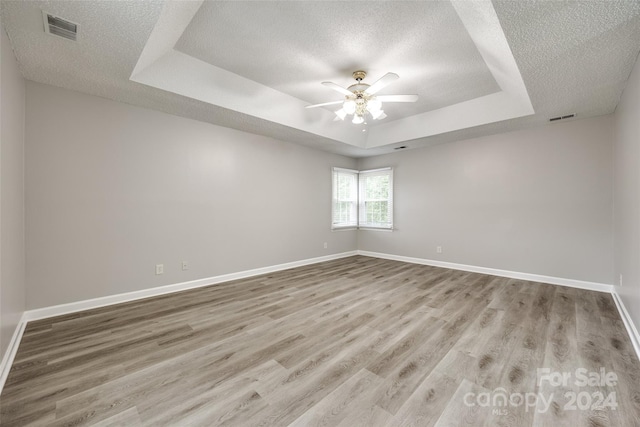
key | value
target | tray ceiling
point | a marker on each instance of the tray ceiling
(479, 67)
(320, 41)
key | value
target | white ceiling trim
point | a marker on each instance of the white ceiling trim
(160, 63)
(476, 112)
(162, 67)
(480, 20)
(173, 20)
(188, 76)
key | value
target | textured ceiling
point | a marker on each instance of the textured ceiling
(573, 57)
(321, 41)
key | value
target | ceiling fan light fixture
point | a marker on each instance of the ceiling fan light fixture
(349, 106)
(360, 99)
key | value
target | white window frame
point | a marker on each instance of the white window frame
(358, 214)
(352, 220)
(362, 199)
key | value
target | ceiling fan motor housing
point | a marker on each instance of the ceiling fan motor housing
(359, 75)
(359, 87)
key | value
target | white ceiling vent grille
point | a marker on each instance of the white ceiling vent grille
(59, 27)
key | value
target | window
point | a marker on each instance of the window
(345, 198)
(376, 198)
(362, 198)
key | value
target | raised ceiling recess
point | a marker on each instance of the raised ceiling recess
(221, 53)
(478, 67)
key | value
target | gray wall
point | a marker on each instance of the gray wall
(12, 255)
(533, 201)
(627, 196)
(113, 190)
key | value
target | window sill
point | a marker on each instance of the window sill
(344, 229)
(389, 230)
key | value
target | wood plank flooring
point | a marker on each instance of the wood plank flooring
(353, 342)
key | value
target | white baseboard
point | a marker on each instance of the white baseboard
(73, 307)
(628, 323)
(632, 330)
(601, 287)
(57, 310)
(10, 353)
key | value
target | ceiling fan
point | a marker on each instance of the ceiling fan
(360, 98)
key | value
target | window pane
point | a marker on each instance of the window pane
(346, 186)
(377, 212)
(343, 211)
(376, 199)
(377, 187)
(345, 196)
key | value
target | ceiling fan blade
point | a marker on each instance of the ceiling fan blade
(338, 88)
(381, 82)
(323, 104)
(398, 98)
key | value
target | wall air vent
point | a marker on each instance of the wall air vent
(59, 27)
(568, 116)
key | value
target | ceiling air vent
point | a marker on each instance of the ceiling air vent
(59, 27)
(568, 116)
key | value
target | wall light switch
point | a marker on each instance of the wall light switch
(439, 249)
(159, 268)
(185, 265)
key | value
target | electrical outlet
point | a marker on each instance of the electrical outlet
(159, 268)
(185, 265)
(325, 245)
(439, 249)
(620, 281)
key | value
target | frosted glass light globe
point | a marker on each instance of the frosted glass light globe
(349, 106)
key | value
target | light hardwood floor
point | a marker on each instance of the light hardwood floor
(353, 342)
